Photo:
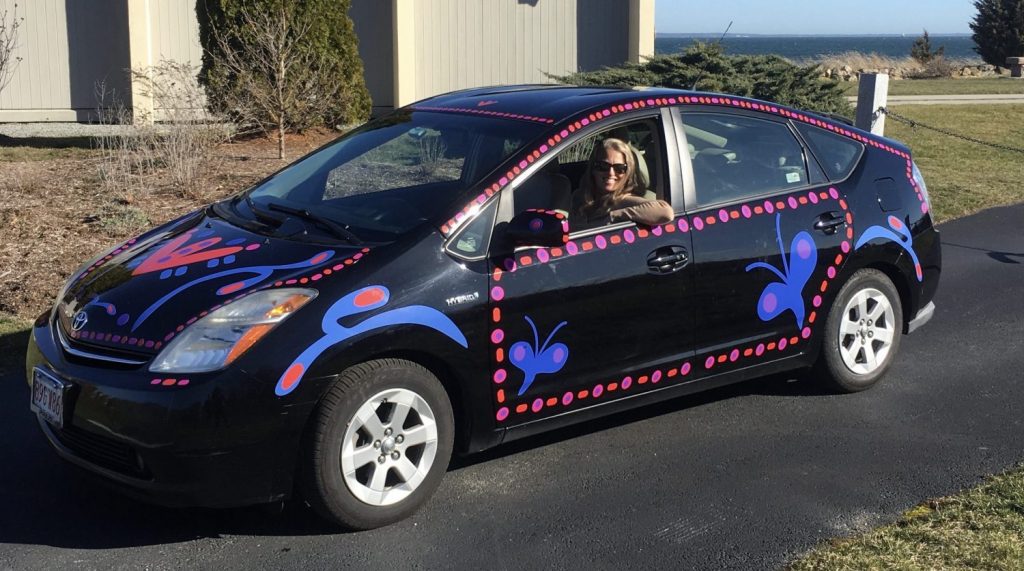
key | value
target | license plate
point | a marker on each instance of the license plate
(48, 397)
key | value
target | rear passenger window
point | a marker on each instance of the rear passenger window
(838, 155)
(735, 157)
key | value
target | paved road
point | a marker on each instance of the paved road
(741, 478)
(952, 99)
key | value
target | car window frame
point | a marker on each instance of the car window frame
(670, 167)
(690, 188)
(820, 160)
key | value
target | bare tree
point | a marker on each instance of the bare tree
(8, 43)
(281, 82)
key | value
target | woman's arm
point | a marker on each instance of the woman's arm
(637, 209)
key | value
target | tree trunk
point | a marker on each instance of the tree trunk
(280, 139)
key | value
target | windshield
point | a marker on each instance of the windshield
(390, 175)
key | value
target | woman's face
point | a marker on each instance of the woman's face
(610, 170)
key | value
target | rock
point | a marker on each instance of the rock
(846, 69)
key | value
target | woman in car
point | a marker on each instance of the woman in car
(613, 190)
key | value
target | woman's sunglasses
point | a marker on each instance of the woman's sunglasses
(603, 166)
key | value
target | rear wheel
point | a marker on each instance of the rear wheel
(862, 333)
(379, 446)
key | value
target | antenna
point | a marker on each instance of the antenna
(703, 68)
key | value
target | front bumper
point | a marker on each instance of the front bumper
(923, 316)
(224, 439)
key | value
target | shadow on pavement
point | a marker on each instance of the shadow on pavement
(45, 501)
(1001, 257)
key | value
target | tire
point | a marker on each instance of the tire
(362, 467)
(862, 333)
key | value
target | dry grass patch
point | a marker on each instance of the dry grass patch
(982, 528)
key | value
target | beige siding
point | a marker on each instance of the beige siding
(40, 83)
(373, 24)
(472, 43)
(175, 32)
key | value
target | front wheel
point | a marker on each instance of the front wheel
(862, 333)
(379, 445)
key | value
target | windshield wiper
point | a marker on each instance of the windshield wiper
(337, 229)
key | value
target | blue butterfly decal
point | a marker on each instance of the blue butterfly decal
(786, 295)
(901, 236)
(537, 359)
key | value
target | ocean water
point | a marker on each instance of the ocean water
(800, 48)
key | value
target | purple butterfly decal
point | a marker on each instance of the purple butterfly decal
(537, 359)
(901, 236)
(786, 295)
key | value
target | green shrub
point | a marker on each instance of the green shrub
(706, 67)
(998, 30)
(323, 71)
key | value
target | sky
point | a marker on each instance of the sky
(814, 16)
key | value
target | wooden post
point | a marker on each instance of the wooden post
(872, 94)
(641, 30)
(1016, 66)
(403, 26)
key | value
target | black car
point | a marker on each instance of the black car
(424, 285)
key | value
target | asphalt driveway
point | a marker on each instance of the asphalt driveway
(744, 477)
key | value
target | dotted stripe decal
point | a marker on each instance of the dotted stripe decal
(485, 112)
(656, 102)
(508, 405)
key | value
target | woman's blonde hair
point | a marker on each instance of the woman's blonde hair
(594, 201)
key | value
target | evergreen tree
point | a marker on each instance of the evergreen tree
(998, 30)
(289, 64)
(922, 52)
(706, 67)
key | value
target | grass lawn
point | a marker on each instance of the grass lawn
(982, 528)
(13, 340)
(965, 177)
(981, 86)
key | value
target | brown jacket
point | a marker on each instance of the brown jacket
(646, 210)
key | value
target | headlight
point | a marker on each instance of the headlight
(224, 335)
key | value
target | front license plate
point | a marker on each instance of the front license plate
(48, 397)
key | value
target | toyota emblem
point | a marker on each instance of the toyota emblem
(79, 321)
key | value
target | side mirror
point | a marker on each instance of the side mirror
(544, 228)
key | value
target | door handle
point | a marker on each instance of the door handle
(829, 222)
(667, 260)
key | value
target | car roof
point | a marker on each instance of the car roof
(553, 104)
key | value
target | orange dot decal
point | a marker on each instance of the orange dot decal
(291, 376)
(369, 297)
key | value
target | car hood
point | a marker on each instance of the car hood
(140, 295)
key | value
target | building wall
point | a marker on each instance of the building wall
(471, 43)
(373, 21)
(59, 75)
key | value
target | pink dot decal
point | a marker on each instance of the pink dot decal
(655, 377)
(558, 355)
(627, 382)
(813, 197)
(497, 336)
(760, 349)
(792, 202)
(510, 265)
(845, 247)
(656, 231)
(684, 226)
(502, 413)
(723, 215)
(769, 207)
(543, 256)
(629, 236)
(519, 354)
(499, 376)
(155, 381)
(806, 333)
(497, 294)
(537, 405)
(831, 272)
(710, 362)
(601, 242)
(598, 391)
(782, 343)
(924, 208)
(803, 249)
(816, 301)
(567, 398)
(698, 223)
(735, 355)
(833, 193)
(746, 211)
(572, 248)
(685, 369)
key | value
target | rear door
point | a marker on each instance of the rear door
(768, 236)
